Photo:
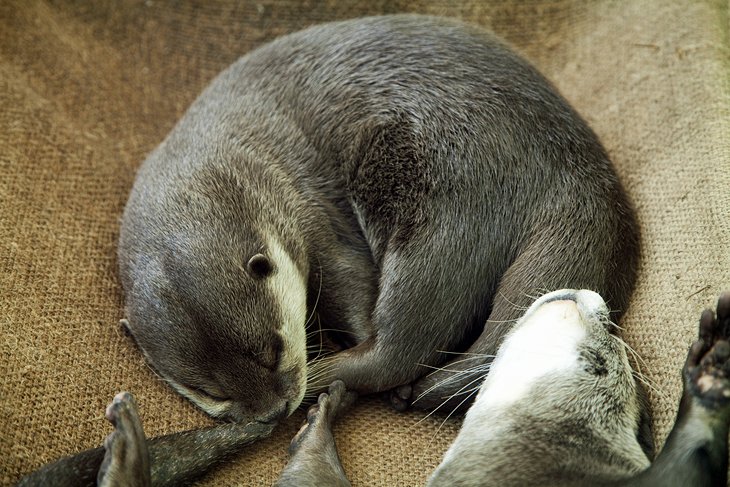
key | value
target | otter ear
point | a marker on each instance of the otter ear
(260, 266)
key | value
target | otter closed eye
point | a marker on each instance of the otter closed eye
(216, 396)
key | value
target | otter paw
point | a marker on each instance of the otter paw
(401, 397)
(322, 415)
(707, 370)
(126, 461)
(451, 388)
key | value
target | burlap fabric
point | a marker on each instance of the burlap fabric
(88, 88)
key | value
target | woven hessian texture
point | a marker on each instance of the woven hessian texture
(87, 89)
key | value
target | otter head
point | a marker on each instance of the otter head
(222, 320)
(560, 397)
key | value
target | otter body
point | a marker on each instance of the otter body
(408, 181)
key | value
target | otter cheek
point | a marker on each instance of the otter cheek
(293, 376)
(213, 407)
(289, 287)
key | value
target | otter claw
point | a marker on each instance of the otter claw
(708, 362)
(401, 397)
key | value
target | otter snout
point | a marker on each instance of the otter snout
(263, 398)
(589, 304)
(276, 414)
(549, 340)
(240, 412)
(270, 404)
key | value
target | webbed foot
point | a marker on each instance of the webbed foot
(127, 460)
(314, 459)
(707, 370)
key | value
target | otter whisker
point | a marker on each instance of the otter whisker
(606, 322)
(648, 383)
(314, 347)
(319, 369)
(459, 392)
(637, 372)
(457, 372)
(319, 293)
(321, 342)
(157, 375)
(638, 358)
(338, 330)
(475, 388)
(320, 353)
(481, 371)
(315, 378)
(449, 416)
(456, 375)
(462, 391)
(485, 355)
(515, 306)
(320, 378)
(455, 362)
(533, 298)
(456, 408)
(315, 368)
(500, 322)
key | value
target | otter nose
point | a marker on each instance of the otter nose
(276, 414)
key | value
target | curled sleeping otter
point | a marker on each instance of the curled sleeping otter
(558, 408)
(405, 181)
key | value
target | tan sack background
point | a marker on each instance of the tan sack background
(88, 88)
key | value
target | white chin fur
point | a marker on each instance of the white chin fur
(289, 285)
(545, 341)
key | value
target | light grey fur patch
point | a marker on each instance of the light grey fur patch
(289, 286)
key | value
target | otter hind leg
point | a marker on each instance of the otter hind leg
(453, 386)
(559, 256)
(127, 459)
(314, 459)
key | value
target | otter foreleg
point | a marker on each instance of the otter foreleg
(696, 452)
(130, 459)
(557, 257)
(423, 308)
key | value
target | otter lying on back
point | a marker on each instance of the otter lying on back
(406, 180)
